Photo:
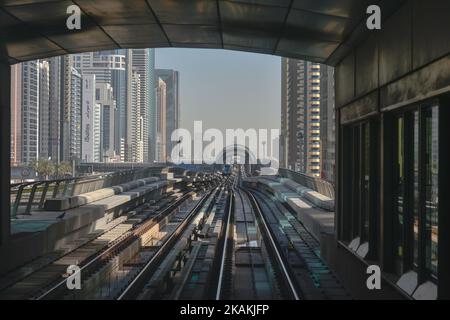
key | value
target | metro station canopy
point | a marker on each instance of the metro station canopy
(315, 30)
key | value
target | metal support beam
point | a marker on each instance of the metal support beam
(5, 152)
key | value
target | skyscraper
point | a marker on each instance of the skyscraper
(327, 123)
(71, 82)
(300, 118)
(109, 67)
(134, 139)
(16, 114)
(35, 119)
(44, 110)
(97, 133)
(171, 79)
(100, 63)
(119, 86)
(161, 121)
(104, 97)
(88, 109)
(75, 117)
(152, 105)
(30, 111)
(140, 65)
(54, 139)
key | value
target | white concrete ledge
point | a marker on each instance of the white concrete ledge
(315, 220)
(315, 197)
(64, 226)
(89, 197)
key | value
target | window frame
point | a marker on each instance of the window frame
(356, 200)
(408, 193)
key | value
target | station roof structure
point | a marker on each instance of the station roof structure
(316, 30)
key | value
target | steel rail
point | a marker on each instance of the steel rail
(128, 291)
(281, 263)
(118, 242)
(224, 251)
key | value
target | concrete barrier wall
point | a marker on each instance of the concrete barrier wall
(77, 223)
(322, 186)
(66, 203)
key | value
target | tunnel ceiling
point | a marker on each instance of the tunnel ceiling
(316, 30)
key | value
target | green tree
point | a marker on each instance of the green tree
(64, 168)
(43, 167)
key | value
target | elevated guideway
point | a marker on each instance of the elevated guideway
(48, 216)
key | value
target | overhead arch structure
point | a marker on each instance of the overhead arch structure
(316, 30)
(229, 154)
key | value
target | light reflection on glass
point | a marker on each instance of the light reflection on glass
(431, 189)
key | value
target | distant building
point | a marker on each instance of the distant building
(300, 116)
(44, 110)
(327, 123)
(140, 65)
(88, 110)
(134, 142)
(97, 133)
(35, 110)
(152, 105)
(171, 79)
(108, 67)
(75, 116)
(100, 63)
(161, 122)
(30, 111)
(71, 82)
(54, 130)
(105, 98)
(16, 114)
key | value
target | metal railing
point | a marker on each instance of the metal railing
(321, 186)
(28, 196)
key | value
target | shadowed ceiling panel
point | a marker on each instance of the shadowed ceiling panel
(310, 29)
(252, 17)
(246, 38)
(355, 9)
(117, 12)
(202, 12)
(126, 35)
(318, 26)
(192, 34)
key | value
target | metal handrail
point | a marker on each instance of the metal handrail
(67, 187)
(319, 185)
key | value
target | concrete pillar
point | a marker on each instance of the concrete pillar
(5, 152)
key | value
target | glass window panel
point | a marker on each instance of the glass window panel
(431, 189)
(356, 231)
(366, 177)
(416, 192)
(399, 198)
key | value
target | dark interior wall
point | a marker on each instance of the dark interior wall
(406, 60)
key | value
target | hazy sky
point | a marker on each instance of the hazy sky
(225, 89)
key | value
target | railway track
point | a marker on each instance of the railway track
(289, 286)
(251, 265)
(92, 254)
(157, 278)
(300, 249)
(137, 229)
(230, 243)
(231, 256)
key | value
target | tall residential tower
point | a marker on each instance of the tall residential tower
(300, 116)
(171, 80)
